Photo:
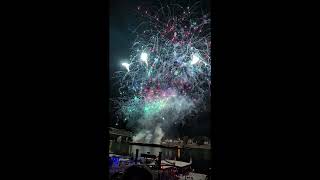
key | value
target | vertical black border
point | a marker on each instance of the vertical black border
(59, 87)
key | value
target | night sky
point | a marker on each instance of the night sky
(122, 20)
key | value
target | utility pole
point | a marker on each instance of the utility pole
(136, 159)
(159, 164)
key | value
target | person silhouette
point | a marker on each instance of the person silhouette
(137, 172)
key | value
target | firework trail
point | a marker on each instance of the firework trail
(168, 75)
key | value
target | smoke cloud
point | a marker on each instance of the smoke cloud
(149, 128)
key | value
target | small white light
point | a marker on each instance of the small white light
(144, 57)
(126, 65)
(195, 59)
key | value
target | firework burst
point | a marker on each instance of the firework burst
(168, 75)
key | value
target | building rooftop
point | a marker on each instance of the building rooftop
(168, 163)
(121, 132)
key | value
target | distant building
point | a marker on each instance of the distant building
(120, 135)
(199, 140)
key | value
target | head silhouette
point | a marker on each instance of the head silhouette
(137, 173)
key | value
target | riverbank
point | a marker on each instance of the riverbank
(196, 146)
(193, 146)
(153, 145)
